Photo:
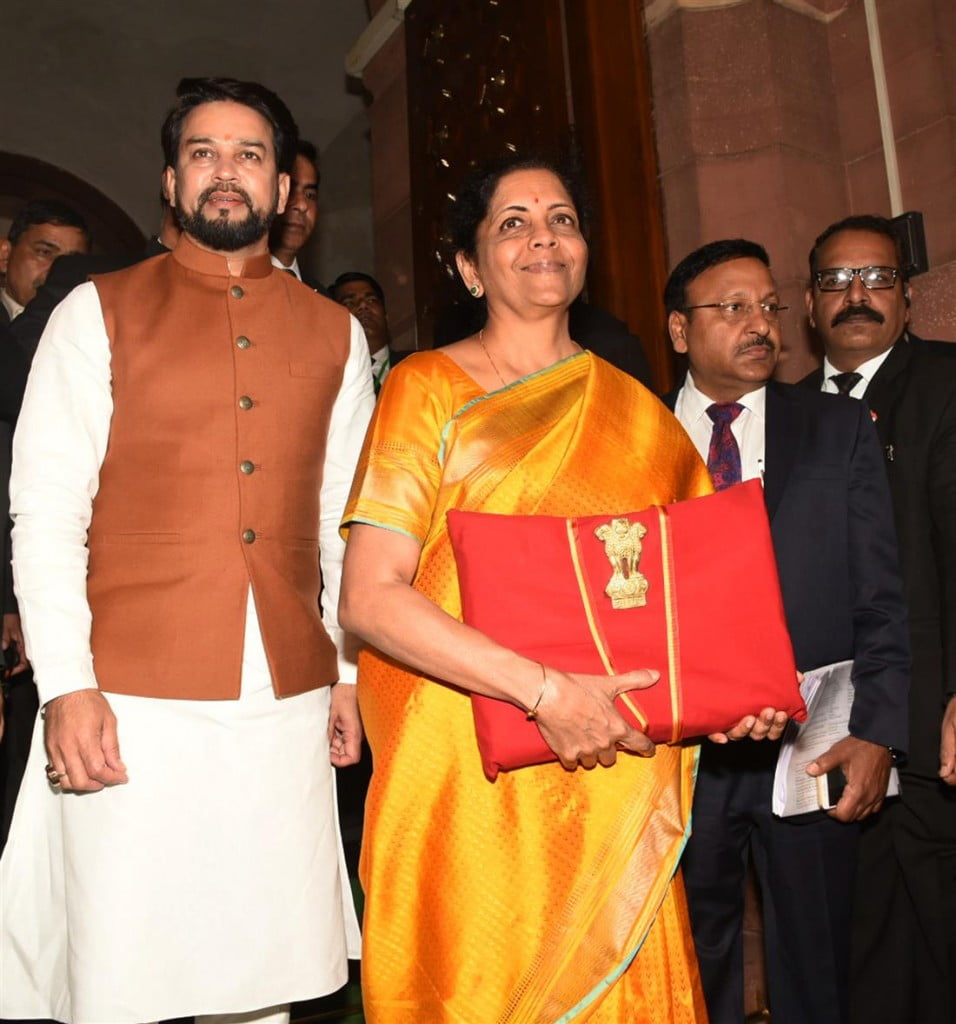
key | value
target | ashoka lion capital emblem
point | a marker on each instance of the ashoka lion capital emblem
(627, 587)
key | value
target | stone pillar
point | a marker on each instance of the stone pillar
(919, 53)
(767, 128)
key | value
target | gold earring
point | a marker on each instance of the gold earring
(475, 290)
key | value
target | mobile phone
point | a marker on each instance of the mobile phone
(830, 788)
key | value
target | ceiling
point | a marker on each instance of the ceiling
(85, 86)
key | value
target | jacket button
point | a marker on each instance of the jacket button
(248, 536)
(247, 467)
(245, 402)
(236, 292)
(242, 341)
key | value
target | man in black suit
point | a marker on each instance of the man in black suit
(904, 951)
(74, 269)
(42, 231)
(18, 699)
(831, 522)
(293, 228)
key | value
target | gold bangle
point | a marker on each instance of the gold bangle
(532, 713)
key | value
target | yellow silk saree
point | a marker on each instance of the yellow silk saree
(547, 896)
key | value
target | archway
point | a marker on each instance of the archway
(23, 178)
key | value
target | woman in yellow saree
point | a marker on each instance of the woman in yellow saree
(549, 895)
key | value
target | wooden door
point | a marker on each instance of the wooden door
(560, 77)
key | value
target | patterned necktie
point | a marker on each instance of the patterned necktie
(846, 382)
(723, 456)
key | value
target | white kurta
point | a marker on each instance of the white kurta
(213, 882)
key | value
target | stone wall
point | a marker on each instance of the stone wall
(768, 128)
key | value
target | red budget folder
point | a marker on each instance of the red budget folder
(689, 589)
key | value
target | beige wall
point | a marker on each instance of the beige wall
(768, 128)
(85, 86)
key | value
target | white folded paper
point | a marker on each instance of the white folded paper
(828, 693)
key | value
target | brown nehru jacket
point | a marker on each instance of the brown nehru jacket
(222, 388)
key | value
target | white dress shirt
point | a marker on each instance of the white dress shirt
(380, 365)
(10, 304)
(866, 370)
(749, 428)
(294, 268)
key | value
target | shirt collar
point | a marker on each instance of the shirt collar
(10, 304)
(293, 266)
(866, 370)
(696, 403)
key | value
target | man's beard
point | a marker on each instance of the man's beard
(221, 233)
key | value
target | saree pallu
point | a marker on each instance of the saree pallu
(547, 896)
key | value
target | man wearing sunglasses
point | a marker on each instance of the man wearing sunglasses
(904, 956)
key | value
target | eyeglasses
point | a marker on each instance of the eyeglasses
(735, 312)
(838, 279)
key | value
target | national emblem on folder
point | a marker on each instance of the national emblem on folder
(627, 588)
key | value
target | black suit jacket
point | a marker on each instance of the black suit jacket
(913, 397)
(832, 525)
(14, 366)
(7, 600)
(316, 286)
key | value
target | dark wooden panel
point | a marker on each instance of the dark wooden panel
(488, 77)
(612, 107)
(483, 78)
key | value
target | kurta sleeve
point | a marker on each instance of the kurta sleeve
(347, 426)
(58, 448)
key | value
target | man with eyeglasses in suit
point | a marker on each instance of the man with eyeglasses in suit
(904, 952)
(831, 523)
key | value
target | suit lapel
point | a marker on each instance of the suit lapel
(884, 389)
(780, 444)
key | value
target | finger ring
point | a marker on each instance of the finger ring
(53, 776)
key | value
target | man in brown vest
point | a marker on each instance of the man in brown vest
(185, 448)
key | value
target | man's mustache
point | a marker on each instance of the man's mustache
(764, 342)
(861, 310)
(208, 193)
